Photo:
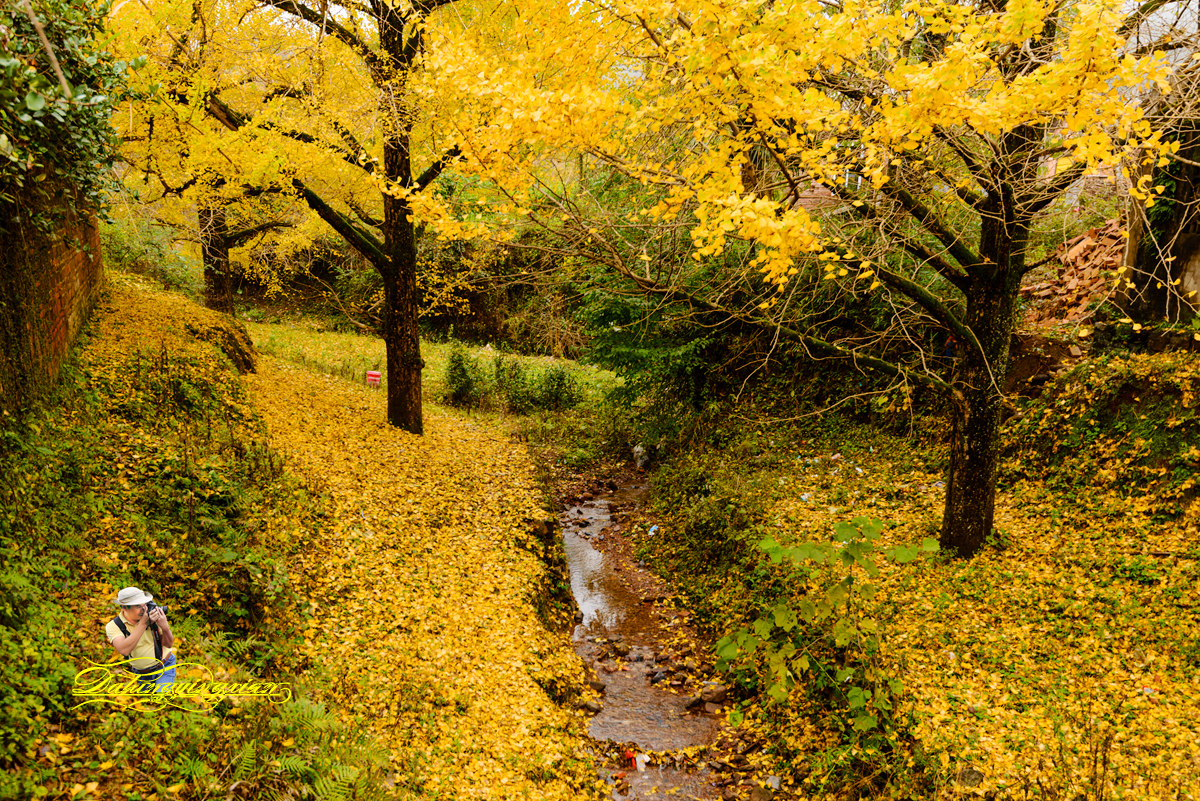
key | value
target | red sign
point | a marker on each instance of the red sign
(373, 377)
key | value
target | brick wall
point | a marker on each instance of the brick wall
(48, 285)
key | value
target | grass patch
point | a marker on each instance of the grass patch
(349, 356)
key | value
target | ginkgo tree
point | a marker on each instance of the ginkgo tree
(939, 130)
(318, 102)
(180, 166)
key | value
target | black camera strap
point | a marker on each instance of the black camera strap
(157, 641)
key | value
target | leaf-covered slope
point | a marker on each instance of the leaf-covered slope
(1060, 662)
(423, 592)
(1125, 424)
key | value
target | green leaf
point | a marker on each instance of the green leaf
(846, 532)
(903, 553)
(808, 551)
(864, 722)
(869, 527)
(838, 592)
(727, 648)
(808, 611)
(785, 618)
(843, 674)
(34, 101)
(930, 545)
(844, 631)
(858, 697)
(772, 549)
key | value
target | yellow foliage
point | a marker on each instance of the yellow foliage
(420, 590)
(1067, 652)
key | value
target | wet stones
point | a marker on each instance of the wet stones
(759, 793)
(709, 699)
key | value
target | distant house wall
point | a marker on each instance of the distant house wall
(48, 284)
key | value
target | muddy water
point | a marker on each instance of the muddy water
(627, 642)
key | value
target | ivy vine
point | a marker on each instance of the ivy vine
(57, 90)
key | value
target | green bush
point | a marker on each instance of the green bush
(148, 251)
(557, 389)
(511, 387)
(40, 668)
(464, 380)
(53, 137)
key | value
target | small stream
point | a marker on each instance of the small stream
(624, 638)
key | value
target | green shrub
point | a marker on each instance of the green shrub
(148, 251)
(511, 387)
(510, 384)
(48, 131)
(39, 665)
(464, 380)
(557, 389)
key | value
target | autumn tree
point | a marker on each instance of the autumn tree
(323, 102)
(179, 167)
(937, 132)
(388, 42)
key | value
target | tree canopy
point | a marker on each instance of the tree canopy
(858, 153)
(804, 163)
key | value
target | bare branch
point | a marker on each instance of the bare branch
(362, 241)
(372, 59)
(932, 223)
(434, 170)
(239, 237)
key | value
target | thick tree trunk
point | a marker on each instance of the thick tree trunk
(214, 250)
(403, 346)
(976, 416)
(400, 334)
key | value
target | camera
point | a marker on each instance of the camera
(151, 606)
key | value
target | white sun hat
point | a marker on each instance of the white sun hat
(132, 596)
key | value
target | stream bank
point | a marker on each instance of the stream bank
(659, 719)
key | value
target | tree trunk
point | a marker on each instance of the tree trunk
(214, 250)
(1161, 251)
(976, 416)
(403, 345)
(400, 334)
